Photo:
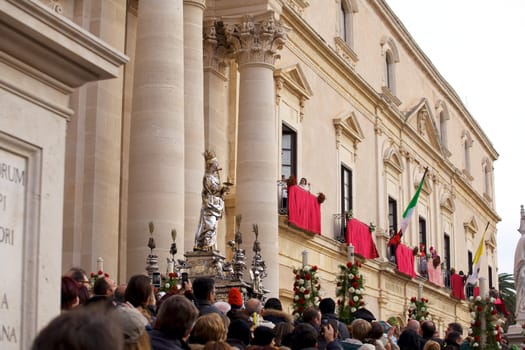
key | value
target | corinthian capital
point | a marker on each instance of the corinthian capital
(214, 46)
(255, 39)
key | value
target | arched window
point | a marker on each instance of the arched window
(391, 58)
(346, 22)
(390, 73)
(467, 145)
(443, 128)
(487, 177)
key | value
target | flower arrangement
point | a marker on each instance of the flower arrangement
(169, 282)
(321, 197)
(306, 289)
(418, 309)
(349, 291)
(484, 308)
(93, 277)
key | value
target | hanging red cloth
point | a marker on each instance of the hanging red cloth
(359, 235)
(435, 275)
(304, 211)
(405, 260)
(457, 283)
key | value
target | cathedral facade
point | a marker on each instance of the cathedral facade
(335, 91)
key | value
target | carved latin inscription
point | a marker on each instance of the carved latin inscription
(12, 205)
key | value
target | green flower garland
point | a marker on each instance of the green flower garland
(306, 289)
(349, 291)
(418, 309)
(484, 308)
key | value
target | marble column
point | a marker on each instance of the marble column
(93, 153)
(156, 162)
(193, 117)
(218, 123)
(256, 40)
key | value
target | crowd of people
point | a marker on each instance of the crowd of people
(98, 314)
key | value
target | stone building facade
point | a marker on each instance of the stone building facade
(336, 91)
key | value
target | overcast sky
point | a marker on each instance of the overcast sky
(478, 46)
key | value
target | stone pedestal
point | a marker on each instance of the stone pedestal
(211, 264)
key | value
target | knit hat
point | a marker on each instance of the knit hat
(235, 298)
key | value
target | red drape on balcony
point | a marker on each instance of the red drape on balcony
(435, 275)
(304, 210)
(458, 286)
(359, 235)
(405, 260)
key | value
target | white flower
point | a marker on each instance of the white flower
(296, 297)
(300, 282)
(495, 332)
(167, 285)
(351, 276)
(351, 289)
(492, 300)
(301, 289)
(362, 290)
(470, 331)
(478, 298)
(357, 291)
(473, 315)
(412, 305)
(423, 308)
(356, 298)
(353, 309)
(306, 268)
(475, 345)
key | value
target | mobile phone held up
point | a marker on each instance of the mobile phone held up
(184, 278)
(155, 279)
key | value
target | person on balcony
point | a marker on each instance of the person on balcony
(305, 185)
(282, 186)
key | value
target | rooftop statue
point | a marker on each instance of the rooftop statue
(213, 193)
(519, 271)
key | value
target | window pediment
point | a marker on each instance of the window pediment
(421, 120)
(392, 157)
(471, 226)
(348, 127)
(447, 204)
(491, 241)
(418, 176)
(292, 79)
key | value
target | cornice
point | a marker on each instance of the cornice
(447, 90)
(306, 43)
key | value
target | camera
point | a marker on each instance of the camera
(155, 279)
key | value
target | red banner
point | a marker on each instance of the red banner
(405, 260)
(304, 211)
(359, 235)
